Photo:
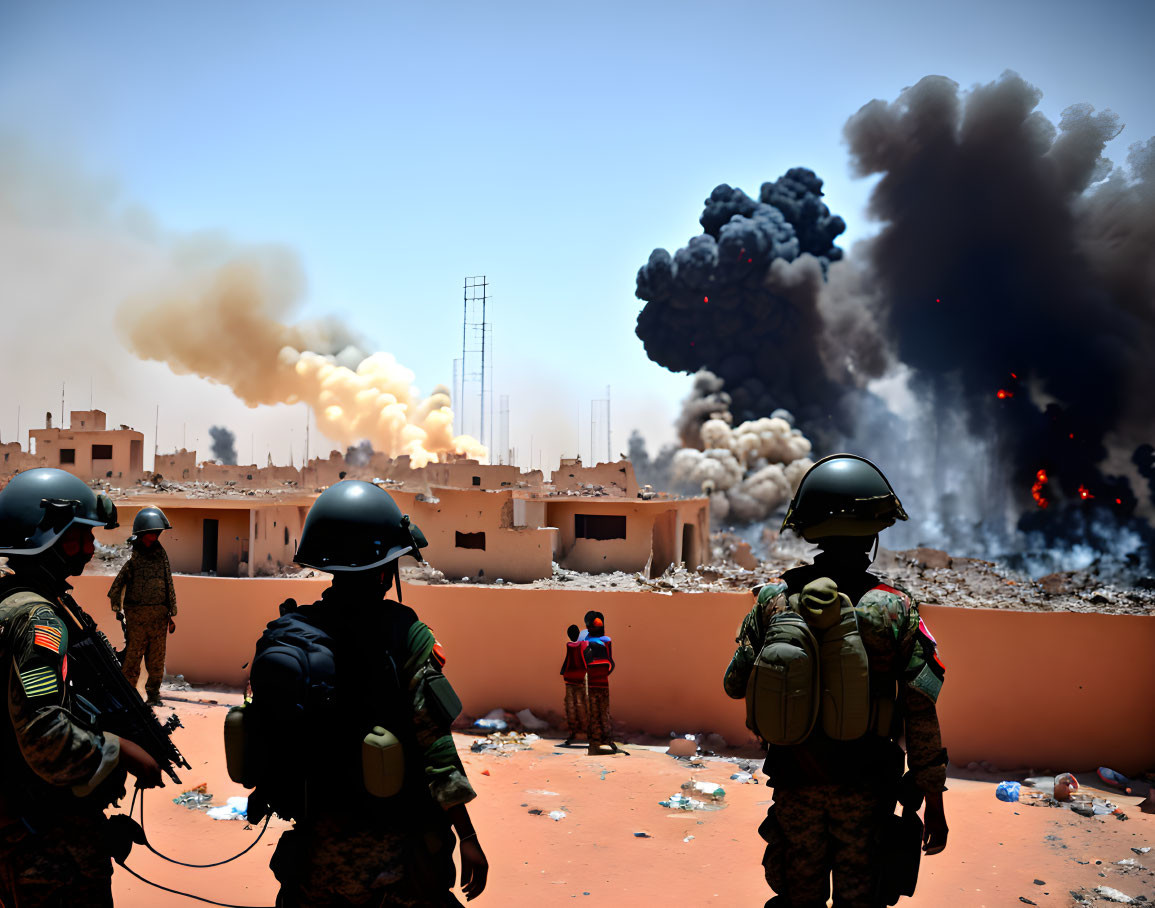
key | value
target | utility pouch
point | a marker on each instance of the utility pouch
(442, 699)
(902, 851)
(382, 763)
(782, 693)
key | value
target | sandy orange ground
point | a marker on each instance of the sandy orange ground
(996, 851)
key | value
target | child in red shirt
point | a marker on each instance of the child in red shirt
(600, 664)
(573, 671)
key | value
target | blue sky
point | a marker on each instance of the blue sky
(398, 148)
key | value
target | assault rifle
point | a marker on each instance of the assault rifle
(113, 703)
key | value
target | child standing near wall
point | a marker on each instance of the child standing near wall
(573, 671)
(599, 666)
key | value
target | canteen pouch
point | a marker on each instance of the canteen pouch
(237, 755)
(382, 763)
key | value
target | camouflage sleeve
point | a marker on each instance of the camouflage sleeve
(169, 589)
(770, 599)
(116, 591)
(922, 680)
(432, 718)
(52, 742)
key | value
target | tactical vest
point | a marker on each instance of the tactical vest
(812, 666)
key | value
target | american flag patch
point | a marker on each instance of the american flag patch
(47, 636)
(39, 682)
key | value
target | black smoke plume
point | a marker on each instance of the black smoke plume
(360, 454)
(740, 299)
(1015, 288)
(1012, 281)
(224, 444)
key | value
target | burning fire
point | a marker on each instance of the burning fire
(1037, 489)
(1003, 394)
(1084, 493)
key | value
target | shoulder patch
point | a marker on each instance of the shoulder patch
(40, 682)
(439, 653)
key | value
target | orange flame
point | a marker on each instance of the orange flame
(1003, 394)
(1037, 489)
(1084, 493)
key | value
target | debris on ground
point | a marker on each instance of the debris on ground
(233, 809)
(1114, 895)
(504, 743)
(683, 747)
(175, 682)
(530, 721)
(197, 798)
(1115, 779)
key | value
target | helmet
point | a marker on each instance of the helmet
(149, 520)
(843, 495)
(37, 506)
(355, 526)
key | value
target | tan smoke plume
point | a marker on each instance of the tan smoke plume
(227, 324)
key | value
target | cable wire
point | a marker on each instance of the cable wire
(165, 857)
(187, 895)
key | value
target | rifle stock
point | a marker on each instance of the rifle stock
(118, 706)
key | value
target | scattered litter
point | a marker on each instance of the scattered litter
(688, 838)
(711, 790)
(542, 791)
(1114, 895)
(503, 743)
(606, 772)
(1129, 862)
(485, 772)
(1141, 850)
(530, 721)
(176, 682)
(1008, 791)
(234, 809)
(1115, 779)
(642, 835)
(495, 724)
(683, 747)
(1040, 882)
(1064, 784)
(680, 802)
(742, 778)
(196, 798)
(1026, 901)
(556, 815)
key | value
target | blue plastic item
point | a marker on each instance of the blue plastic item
(1008, 791)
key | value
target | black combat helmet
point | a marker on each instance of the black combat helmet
(149, 520)
(842, 495)
(37, 506)
(355, 526)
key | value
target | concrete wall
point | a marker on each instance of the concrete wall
(185, 541)
(1058, 691)
(126, 462)
(516, 554)
(617, 478)
(276, 534)
(651, 526)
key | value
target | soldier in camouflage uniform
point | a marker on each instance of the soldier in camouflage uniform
(57, 772)
(349, 849)
(144, 591)
(833, 800)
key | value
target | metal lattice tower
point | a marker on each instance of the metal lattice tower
(476, 383)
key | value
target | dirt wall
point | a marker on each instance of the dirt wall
(1045, 690)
